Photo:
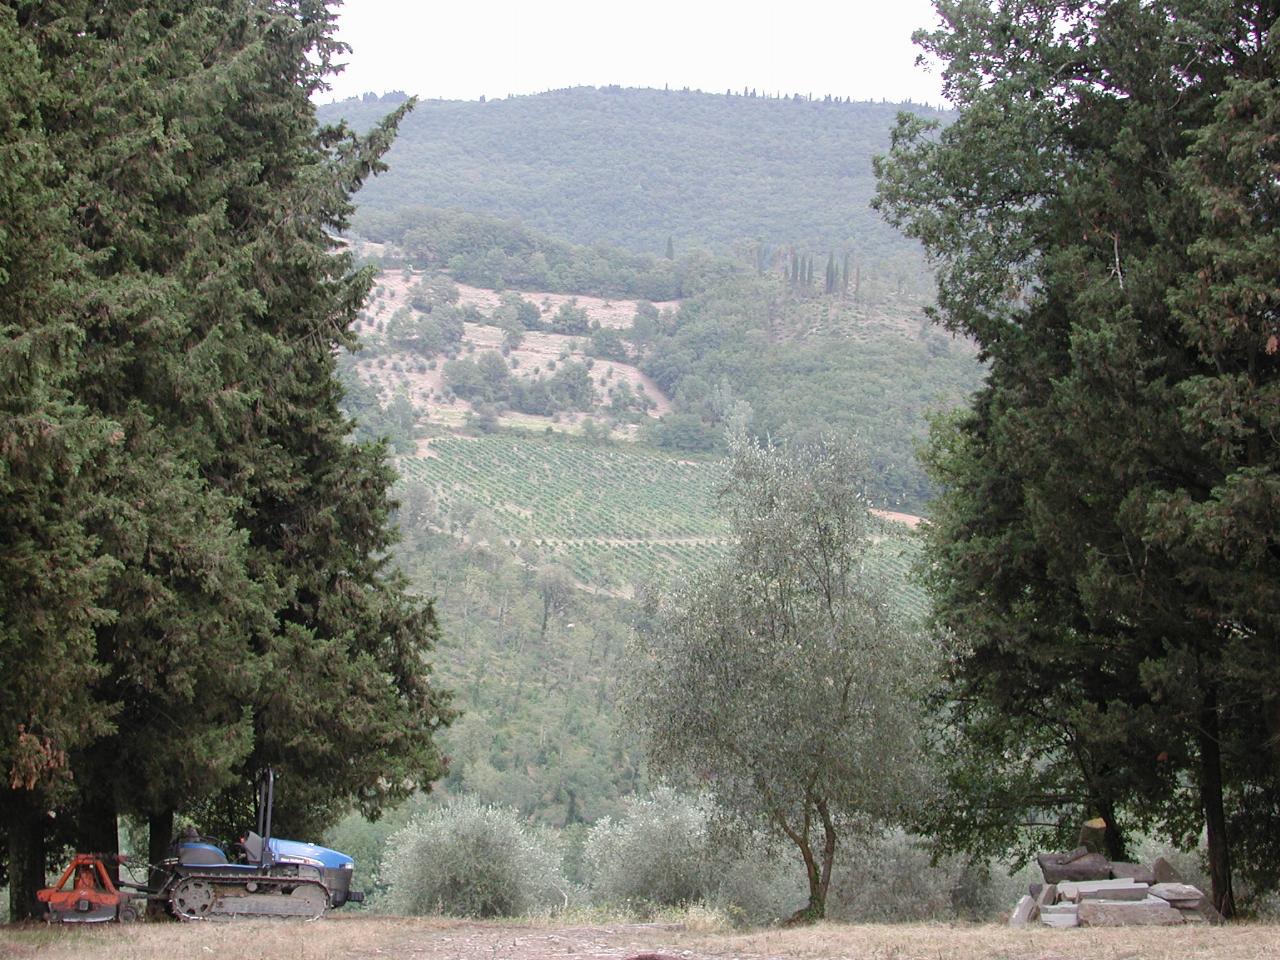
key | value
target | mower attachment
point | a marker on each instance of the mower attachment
(85, 894)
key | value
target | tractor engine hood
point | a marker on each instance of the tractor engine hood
(295, 851)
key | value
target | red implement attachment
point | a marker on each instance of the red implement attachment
(85, 893)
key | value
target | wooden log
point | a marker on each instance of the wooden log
(1152, 912)
(1089, 866)
(1093, 835)
(1132, 871)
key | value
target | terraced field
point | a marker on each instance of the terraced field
(614, 516)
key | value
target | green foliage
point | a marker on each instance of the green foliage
(898, 878)
(796, 171)
(659, 852)
(467, 859)
(215, 530)
(396, 424)
(571, 385)
(504, 529)
(746, 354)
(487, 380)
(501, 254)
(535, 662)
(785, 678)
(608, 344)
(1101, 214)
(436, 291)
(614, 516)
(53, 574)
(570, 319)
(663, 851)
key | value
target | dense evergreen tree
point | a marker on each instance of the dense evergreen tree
(1103, 215)
(52, 574)
(240, 536)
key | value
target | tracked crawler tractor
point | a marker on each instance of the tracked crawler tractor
(264, 877)
(270, 877)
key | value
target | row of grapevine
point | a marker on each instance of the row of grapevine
(614, 517)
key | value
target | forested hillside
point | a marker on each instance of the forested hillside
(580, 294)
(636, 168)
(793, 351)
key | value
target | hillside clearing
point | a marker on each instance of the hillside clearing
(435, 939)
(424, 383)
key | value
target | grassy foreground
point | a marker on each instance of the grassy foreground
(430, 939)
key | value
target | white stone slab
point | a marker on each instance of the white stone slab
(1106, 889)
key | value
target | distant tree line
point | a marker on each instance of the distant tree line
(633, 167)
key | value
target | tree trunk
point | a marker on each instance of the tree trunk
(1215, 817)
(26, 854)
(97, 827)
(159, 836)
(816, 908)
(1114, 843)
(828, 853)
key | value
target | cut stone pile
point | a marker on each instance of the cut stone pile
(1084, 889)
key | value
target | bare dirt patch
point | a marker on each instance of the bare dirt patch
(395, 285)
(537, 356)
(907, 519)
(359, 937)
(609, 313)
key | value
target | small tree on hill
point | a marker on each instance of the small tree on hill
(782, 680)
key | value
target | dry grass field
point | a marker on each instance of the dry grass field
(355, 938)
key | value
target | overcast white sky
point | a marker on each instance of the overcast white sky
(462, 49)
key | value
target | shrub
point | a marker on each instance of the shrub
(663, 852)
(470, 860)
(893, 878)
(657, 853)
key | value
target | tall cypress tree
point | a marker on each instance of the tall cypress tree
(242, 540)
(1106, 550)
(52, 450)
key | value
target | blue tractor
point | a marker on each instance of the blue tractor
(265, 877)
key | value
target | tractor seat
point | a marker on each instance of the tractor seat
(252, 844)
(200, 854)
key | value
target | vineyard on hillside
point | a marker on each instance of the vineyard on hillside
(614, 516)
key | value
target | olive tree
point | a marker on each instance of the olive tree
(784, 680)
